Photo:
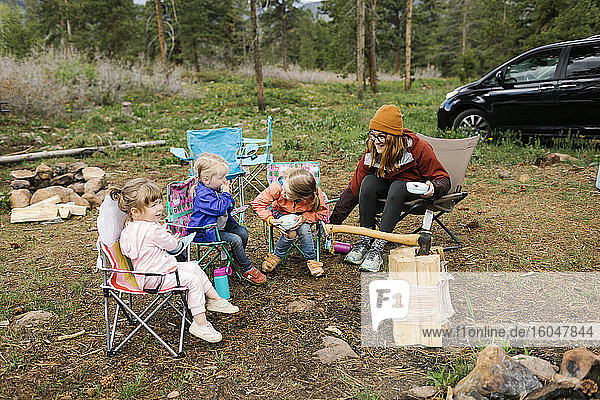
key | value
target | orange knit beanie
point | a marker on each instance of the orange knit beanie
(387, 119)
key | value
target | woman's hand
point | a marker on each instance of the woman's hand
(430, 190)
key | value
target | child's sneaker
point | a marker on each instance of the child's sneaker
(221, 305)
(270, 262)
(206, 332)
(315, 267)
(254, 276)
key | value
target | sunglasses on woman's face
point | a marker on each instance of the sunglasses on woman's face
(377, 137)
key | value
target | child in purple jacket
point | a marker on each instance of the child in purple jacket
(213, 203)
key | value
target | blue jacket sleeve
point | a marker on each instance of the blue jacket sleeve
(211, 204)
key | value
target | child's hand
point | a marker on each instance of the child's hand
(300, 221)
(430, 190)
(226, 187)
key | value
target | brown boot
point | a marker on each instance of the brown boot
(315, 268)
(270, 262)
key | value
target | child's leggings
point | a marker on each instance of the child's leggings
(190, 276)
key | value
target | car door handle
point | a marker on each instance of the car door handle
(547, 87)
(567, 86)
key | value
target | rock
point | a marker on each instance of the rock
(422, 392)
(39, 183)
(573, 382)
(497, 373)
(542, 369)
(504, 174)
(76, 167)
(335, 349)
(45, 193)
(560, 157)
(78, 187)
(94, 185)
(553, 390)
(301, 305)
(524, 178)
(22, 174)
(582, 364)
(60, 168)
(20, 184)
(174, 394)
(102, 194)
(93, 172)
(33, 319)
(78, 200)
(20, 198)
(126, 108)
(43, 171)
(62, 180)
(334, 330)
(92, 199)
(79, 177)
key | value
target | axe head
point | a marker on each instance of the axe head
(424, 243)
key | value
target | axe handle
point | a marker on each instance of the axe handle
(411, 239)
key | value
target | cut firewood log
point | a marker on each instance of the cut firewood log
(33, 214)
(73, 209)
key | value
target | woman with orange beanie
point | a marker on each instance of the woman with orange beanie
(394, 156)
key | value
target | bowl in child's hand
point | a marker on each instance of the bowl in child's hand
(288, 221)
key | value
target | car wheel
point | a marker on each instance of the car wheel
(472, 122)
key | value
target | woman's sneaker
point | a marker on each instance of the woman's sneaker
(221, 305)
(254, 276)
(358, 252)
(206, 332)
(372, 261)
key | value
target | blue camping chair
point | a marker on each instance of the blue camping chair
(225, 142)
(255, 155)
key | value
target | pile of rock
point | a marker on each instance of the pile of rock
(499, 376)
(75, 182)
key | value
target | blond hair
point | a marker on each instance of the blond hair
(392, 152)
(138, 193)
(302, 185)
(209, 165)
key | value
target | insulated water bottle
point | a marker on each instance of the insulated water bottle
(222, 282)
(598, 179)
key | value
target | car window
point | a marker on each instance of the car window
(584, 60)
(536, 67)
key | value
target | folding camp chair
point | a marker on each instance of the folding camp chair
(274, 171)
(455, 155)
(179, 208)
(255, 155)
(120, 285)
(225, 142)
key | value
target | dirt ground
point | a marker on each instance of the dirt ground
(547, 221)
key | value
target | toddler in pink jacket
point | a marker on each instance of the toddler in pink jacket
(148, 243)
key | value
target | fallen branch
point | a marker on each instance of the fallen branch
(71, 336)
(78, 151)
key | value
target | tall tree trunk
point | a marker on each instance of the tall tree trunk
(360, 44)
(408, 44)
(372, 54)
(284, 38)
(161, 37)
(464, 28)
(257, 62)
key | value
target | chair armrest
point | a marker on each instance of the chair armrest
(180, 153)
(122, 271)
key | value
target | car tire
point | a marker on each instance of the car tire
(472, 122)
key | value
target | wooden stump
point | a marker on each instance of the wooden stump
(418, 271)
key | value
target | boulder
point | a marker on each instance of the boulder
(553, 390)
(33, 319)
(496, 374)
(62, 180)
(582, 364)
(44, 171)
(20, 184)
(542, 369)
(79, 177)
(92, 199)
(76, 167)
(39, 183)
(78, 187)
(335, 349)
(78, 200)
(93, 172)
(94, 185)
(60, 168)
(20, 198)
(22, 174)
(45, 193)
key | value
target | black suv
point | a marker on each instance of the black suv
(550, 90)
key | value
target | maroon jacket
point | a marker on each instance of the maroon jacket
(417, 164)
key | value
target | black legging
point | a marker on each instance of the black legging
(373, 188)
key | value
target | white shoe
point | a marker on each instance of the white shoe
(221, 305)
(206, 332)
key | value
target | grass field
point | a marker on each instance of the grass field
(549, 222)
